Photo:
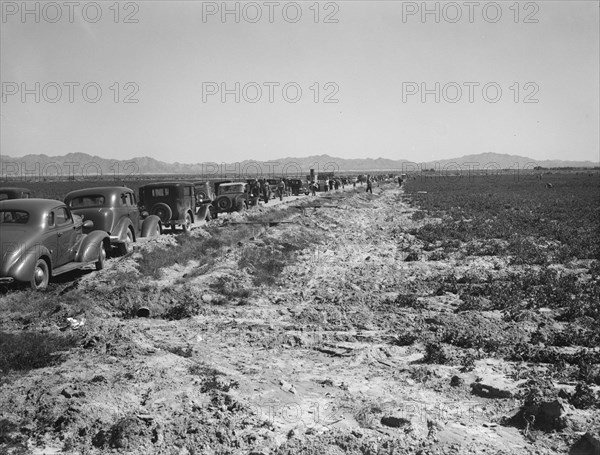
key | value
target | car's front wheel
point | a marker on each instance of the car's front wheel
(101, 256)
(41, 275)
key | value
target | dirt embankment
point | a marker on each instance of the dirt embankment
(327, 331)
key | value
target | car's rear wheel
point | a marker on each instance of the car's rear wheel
(163, 211)
(224, 203)
(187, 224)
(101, 256)
(41, 275)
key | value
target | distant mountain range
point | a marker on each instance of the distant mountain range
(81, 164)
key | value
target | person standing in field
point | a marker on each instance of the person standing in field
(313, 188)
(369, 184)
(265, 190)
(281, 189)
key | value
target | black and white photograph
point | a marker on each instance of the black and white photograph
(312, 227)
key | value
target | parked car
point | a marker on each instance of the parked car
(219, 182)
(10, 192)
(173, 202)
(231, 197)
(114, 209)
(41, 238)
(298, 187)
(204, 198)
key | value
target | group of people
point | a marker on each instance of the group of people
(335, 183)
(262, 188)
(258, 188)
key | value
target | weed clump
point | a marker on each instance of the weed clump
(230, 289)
(584, 397)
(436, 353)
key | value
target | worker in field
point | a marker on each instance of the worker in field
(254, 192)
(313, 188)
(265, 189)
(369, 184)
(281, 188)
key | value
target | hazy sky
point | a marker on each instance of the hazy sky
(518, 78)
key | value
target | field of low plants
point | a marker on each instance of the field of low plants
(549, 236)
(516, 215)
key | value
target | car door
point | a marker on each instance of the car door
(67, 234)
(130, 209)
(189, 200)
(50, 239)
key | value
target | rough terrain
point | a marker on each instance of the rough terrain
(329, 343)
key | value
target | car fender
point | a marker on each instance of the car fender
(89, 248)
(202, 211)
(120, 229)
(23, 268)
(149, 226)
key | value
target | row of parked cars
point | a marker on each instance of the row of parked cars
(43, 238)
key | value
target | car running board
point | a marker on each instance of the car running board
(69, 267)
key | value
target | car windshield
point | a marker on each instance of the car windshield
(13, 217)
(3, 196)
(87, 201)
(227, 189)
